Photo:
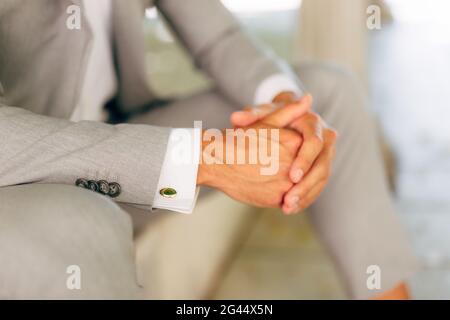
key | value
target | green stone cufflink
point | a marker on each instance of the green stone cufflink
(168, 192)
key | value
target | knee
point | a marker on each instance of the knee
(326, 75)
(46, 229)
(338, 97)
(58, 207)
(329, 83)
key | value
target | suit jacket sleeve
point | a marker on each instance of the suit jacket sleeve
(235, 61)
(41, 149)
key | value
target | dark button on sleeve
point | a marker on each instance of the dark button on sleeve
(114, 190)
(103, 187)
(93, 185)
(82, 183)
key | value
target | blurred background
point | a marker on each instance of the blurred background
(404, 66)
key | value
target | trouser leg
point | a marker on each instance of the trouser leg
(354, 216)
(53, 238)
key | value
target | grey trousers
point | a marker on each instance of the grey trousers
(46, 229)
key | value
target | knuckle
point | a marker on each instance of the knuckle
(314, 117)
(317, 142)
(332, 135)
(286, 135)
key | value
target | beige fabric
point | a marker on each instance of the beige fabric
(47, 229)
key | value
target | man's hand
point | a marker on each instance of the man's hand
(312, 167)
(244, 182)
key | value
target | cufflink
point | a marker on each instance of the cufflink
(168, 192)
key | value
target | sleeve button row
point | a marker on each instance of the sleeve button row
(103, 187)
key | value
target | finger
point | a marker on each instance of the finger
(316, 139)
(306, 201)
(321, 172)
(313, 144)
(282, 117)
(251, 115)
(243, 118)
(294, 196)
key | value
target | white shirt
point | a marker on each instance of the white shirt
(100, 82)
(100, 85)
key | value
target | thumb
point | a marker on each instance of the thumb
(282, 117)
(250, 115)
(243, 118)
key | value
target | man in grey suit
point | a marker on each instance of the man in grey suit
(64, 168)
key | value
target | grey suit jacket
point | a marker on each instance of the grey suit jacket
(42, 65)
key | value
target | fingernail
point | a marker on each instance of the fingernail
(293, 202)
(297, 176)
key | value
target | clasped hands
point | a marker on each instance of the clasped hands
(306, 151)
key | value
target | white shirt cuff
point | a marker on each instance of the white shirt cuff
(179, 171)
(273, 86)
